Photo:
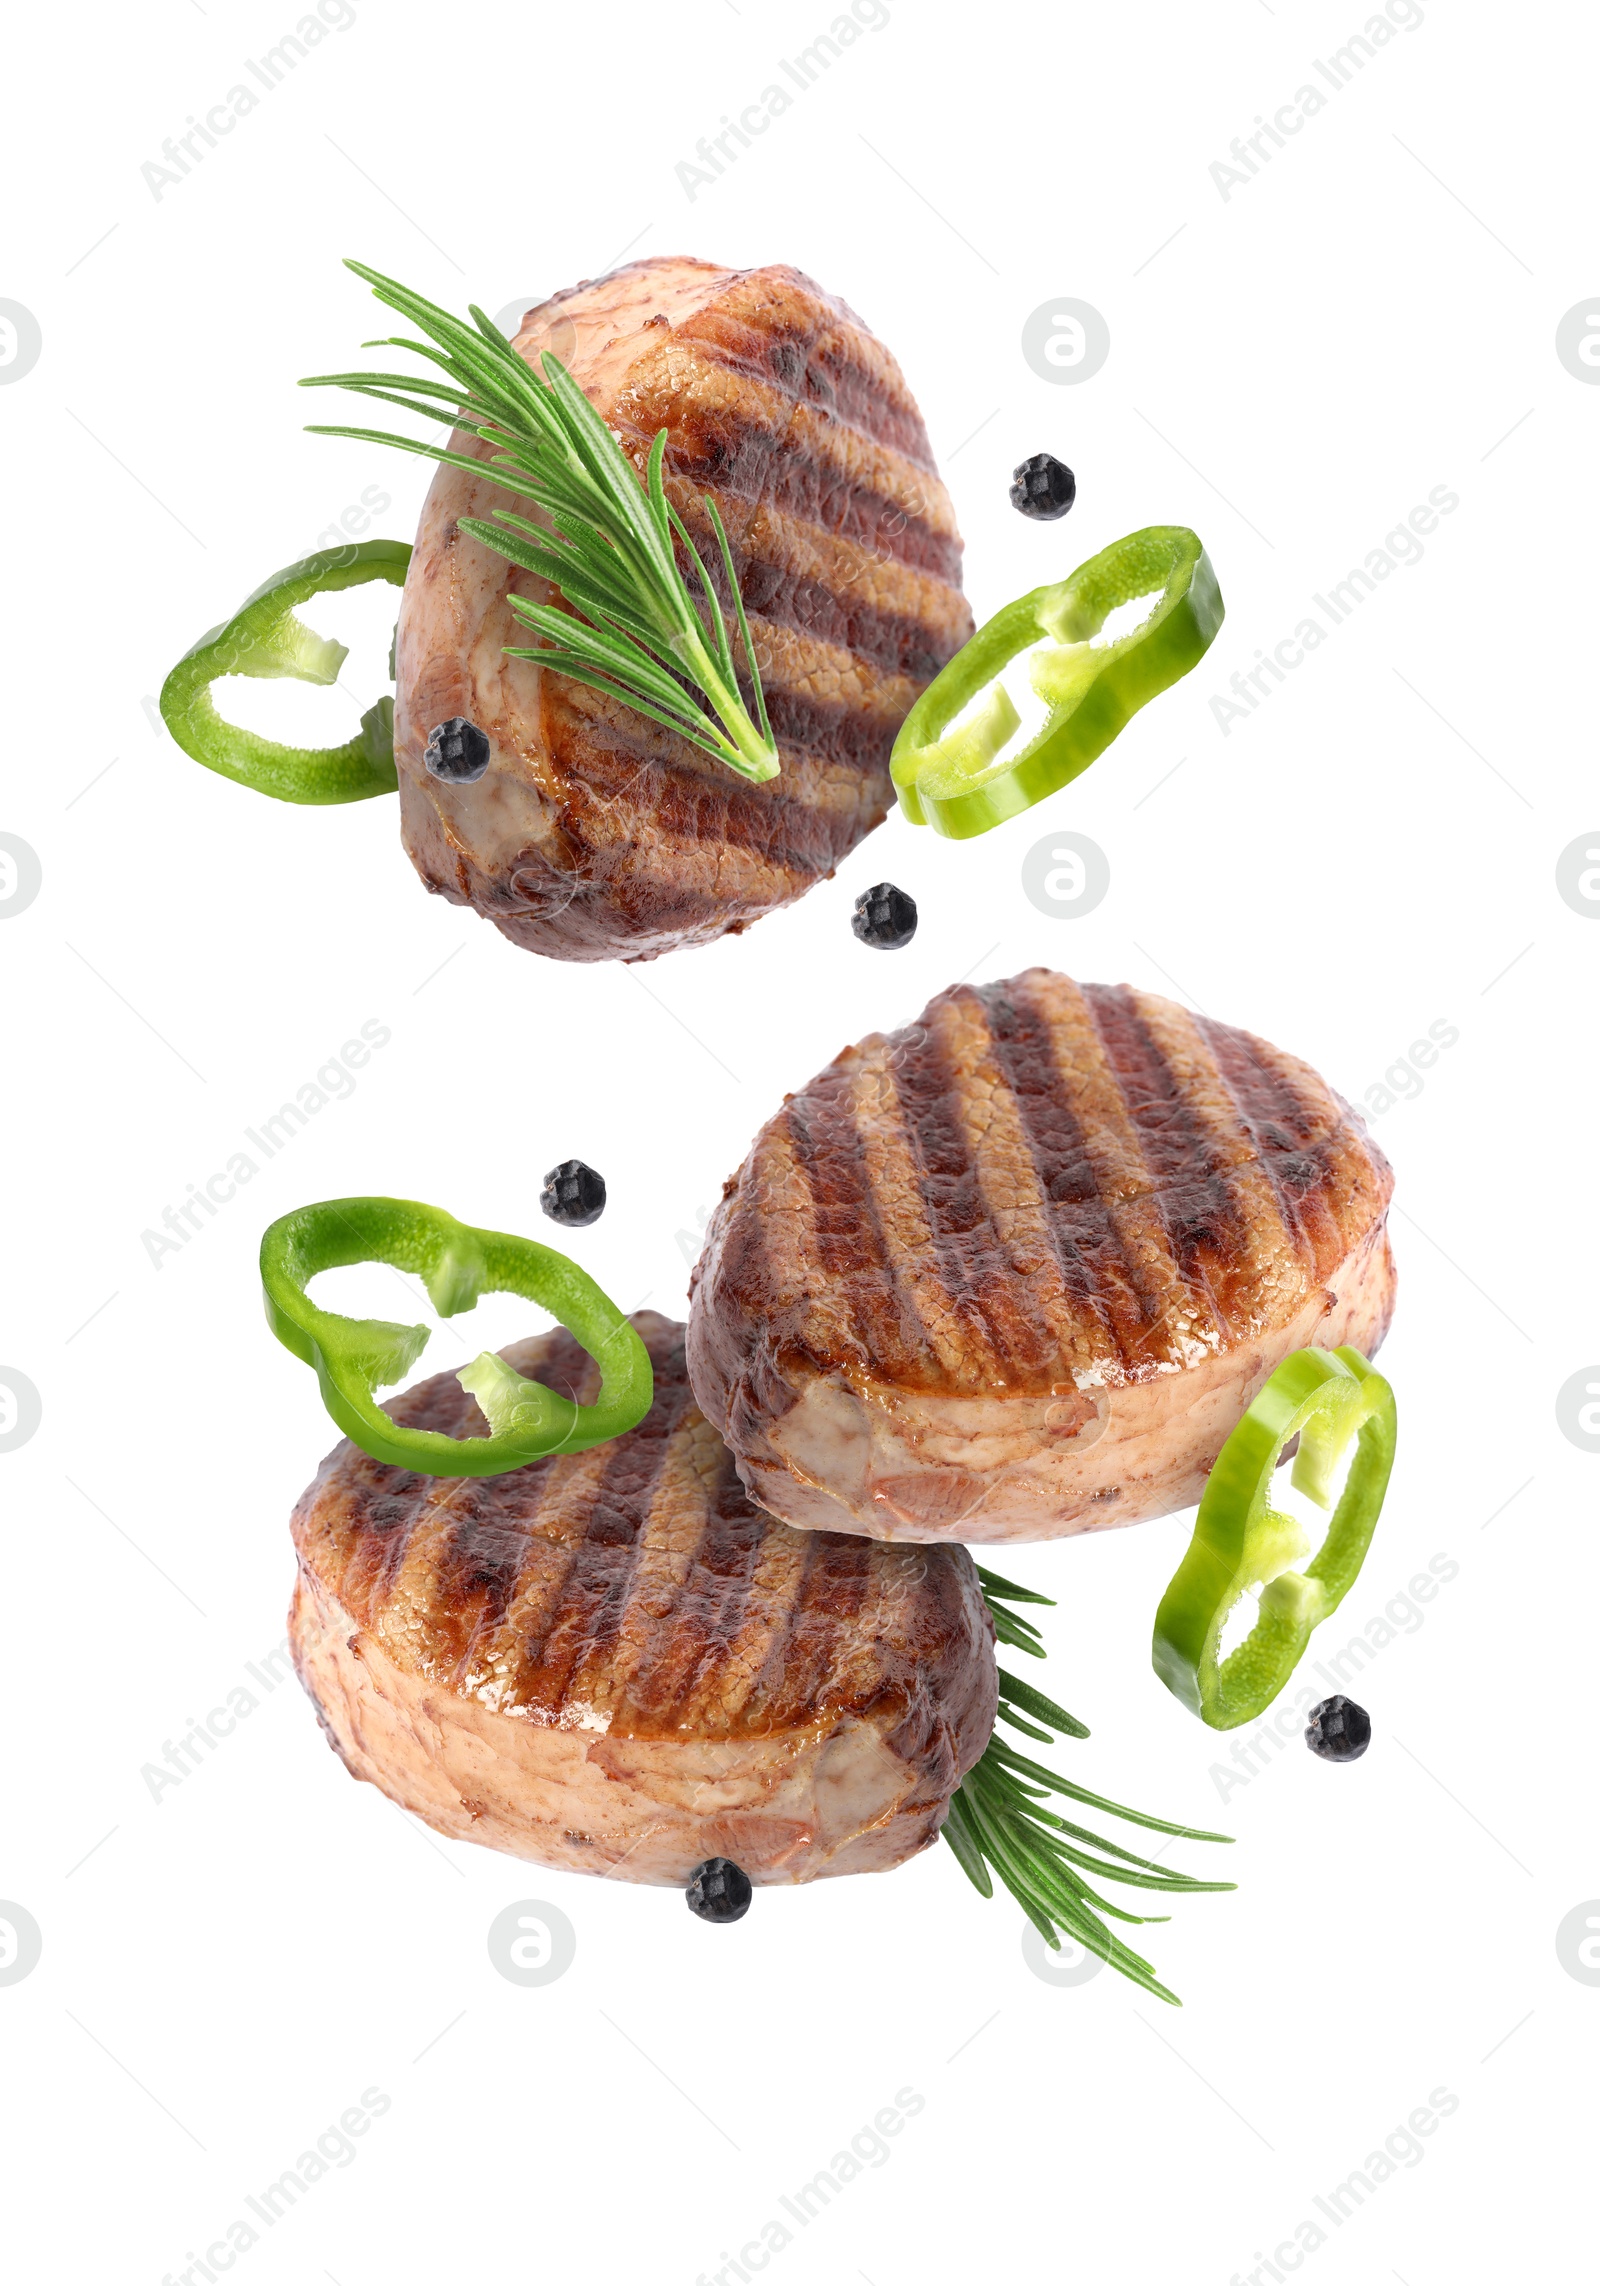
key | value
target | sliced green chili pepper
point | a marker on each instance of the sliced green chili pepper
(355, 1356)
(1325, 1398)
(265, 638)
(964, 780)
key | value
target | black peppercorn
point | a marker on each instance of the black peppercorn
(719, 1890)
(1339, 1730)
(573, 1194)
(1043, 488)
(457, 751)
(885, 917)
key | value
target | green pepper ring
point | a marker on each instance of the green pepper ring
(1324, 1397)
(265, 638)
(354, 1356)
(1137, 668)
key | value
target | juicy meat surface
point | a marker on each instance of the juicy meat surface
(614, 1663)
(1016, 1270)
(596, 835)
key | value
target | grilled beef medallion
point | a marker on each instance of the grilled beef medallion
(594, 834)
(615, 1663)
(1017, 1270)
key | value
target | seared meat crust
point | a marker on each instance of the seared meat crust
(1016, 1270)
(595, 835)
(615, 1663)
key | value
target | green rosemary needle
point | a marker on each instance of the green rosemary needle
(997, 1827)
(632, 629)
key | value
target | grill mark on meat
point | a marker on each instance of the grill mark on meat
(785, 304)
(935, 1336)
(1273, 1252)
(805, 486)
(1054, 1285)
(886, 1595)
(647, 1665)
(846, 1232)
(728, 1556)
(757, 1667)
(651, 1594)
(763, 1686)
(625, 878)
(833, 706)
(583, 1623)
(796, 822)
(410, 1601)
(595, 835)
(1093, 1262)
(411, 1501)
(1073, 1191)
(837, 1575)
(475, 1580)
(481, 1562)
(892, 640)
(665, 1562)
(464, 1574)
(1291, 1131)
(743, 1589)
(969, 1254)
(503, 1671)
(827, 701)
(803, 579)
(1164, 1319)
(1160, 1161)
(797, 343)
(688, 813)
(1204, 1230)
(373, 1555)
(730, 430)
(743, 1703)
(794, 574)
(381, 1586)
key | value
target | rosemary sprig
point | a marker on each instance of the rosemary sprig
(607, 536)
(995, 1820)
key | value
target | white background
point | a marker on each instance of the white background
(1292, 369)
